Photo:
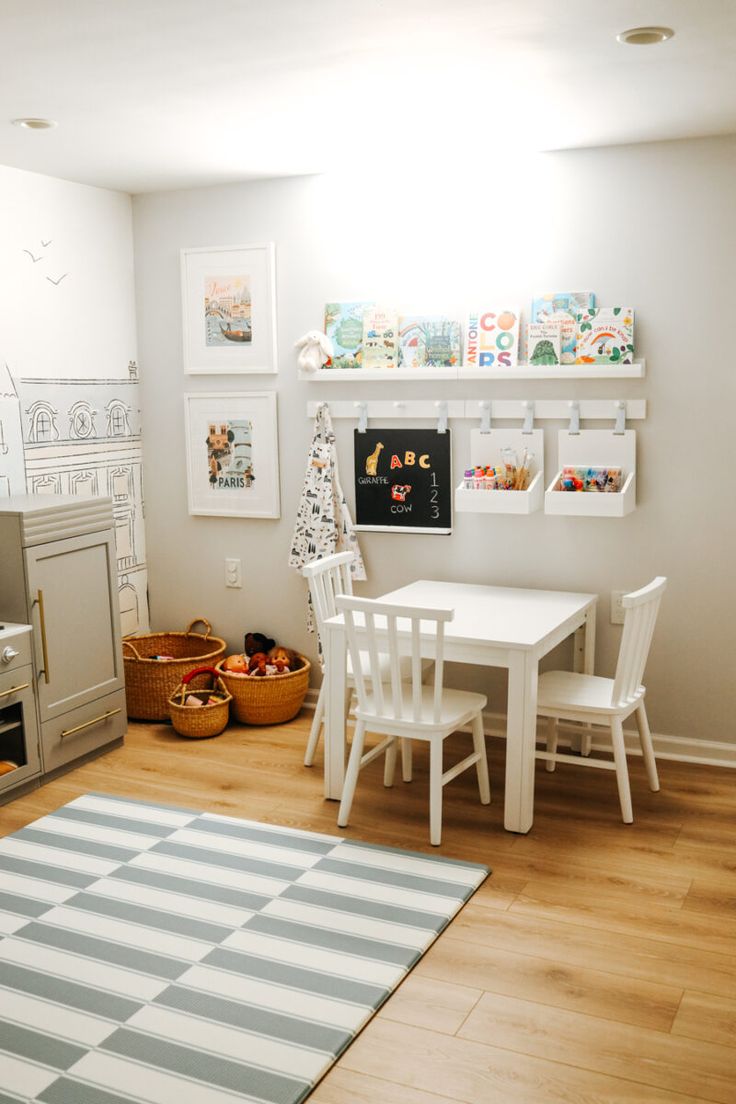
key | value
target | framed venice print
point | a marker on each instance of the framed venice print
(229, 309)
(232, 454)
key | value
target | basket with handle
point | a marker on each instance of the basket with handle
(273, 699)
(208, 719)
(149, 683)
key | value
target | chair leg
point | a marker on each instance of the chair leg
(645, 739)
(314, 732)
(351, 775)
(552, 736)
(389, 766)
(435, 791)
(622, 770)
(479, 747)
(406, 760)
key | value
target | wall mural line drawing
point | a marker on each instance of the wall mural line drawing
(82, 437)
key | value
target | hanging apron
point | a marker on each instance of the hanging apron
(323, 523)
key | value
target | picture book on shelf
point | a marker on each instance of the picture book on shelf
(562, 308)
(380, 338)
(492, 339)
(429, 342)
(543, 344)
(344, 327)
(605, 335)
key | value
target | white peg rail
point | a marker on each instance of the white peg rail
(501, 409)
(410, 408)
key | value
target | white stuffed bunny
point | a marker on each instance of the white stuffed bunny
(315, 349)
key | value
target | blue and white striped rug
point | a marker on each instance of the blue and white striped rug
(151, 954)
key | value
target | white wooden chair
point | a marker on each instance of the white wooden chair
(326, 578)
(406, 709)
(567, 696)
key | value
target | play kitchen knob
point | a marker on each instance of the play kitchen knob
(8, 654)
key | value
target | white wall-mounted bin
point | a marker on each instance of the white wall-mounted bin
(485, 449)
(594, 448)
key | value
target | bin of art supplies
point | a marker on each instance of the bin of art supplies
(157, 662)
(505, 474)
(200, 713)
(596, 474)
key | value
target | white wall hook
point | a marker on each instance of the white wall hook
(620, 426)
(485, 416)
(528, 416)
(574, 408)
(362, 409)
(442, 420)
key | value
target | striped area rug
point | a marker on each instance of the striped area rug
(152, 954)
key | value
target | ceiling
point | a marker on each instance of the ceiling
(154, 94)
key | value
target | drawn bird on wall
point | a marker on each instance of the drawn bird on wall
(46, 244)
(57, 282)
(34, 259)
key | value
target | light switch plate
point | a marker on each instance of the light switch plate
(233, 573)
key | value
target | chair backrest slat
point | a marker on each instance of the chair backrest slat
(326, 579)
(642, 607)
(378, 635)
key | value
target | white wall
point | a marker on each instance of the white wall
(648, 226)
(68, 325)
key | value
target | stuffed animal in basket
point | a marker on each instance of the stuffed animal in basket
(257, 642)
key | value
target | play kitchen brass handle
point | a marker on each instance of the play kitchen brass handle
(88, 724)
(44, 644)
(14, 689)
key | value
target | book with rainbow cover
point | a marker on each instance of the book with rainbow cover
(605, 335)
(429, 342)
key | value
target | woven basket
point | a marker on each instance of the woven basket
(149, 683)
(205, 720)
(269, 700)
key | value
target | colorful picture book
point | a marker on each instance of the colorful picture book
(605, 335)
(543, 344)
(380, 338)
(344, 327)
(492, 339)
(429, 342)
(562, 308)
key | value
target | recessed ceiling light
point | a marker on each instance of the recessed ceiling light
(645, 36)
(35, 124)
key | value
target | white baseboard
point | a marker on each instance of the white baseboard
(678, 748)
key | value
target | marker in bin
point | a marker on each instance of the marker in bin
(511, 475)
(606, 480)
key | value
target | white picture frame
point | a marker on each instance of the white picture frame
(229, 309)
(232, 454)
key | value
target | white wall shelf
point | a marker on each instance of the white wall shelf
(486, 449)
(594, 448)
(362, 375)
(637, 370)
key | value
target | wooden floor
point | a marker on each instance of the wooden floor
(596, 966)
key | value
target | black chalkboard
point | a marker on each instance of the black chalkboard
(403, 480)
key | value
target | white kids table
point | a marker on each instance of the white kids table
(493, 627)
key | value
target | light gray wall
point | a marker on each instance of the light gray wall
(645, 226)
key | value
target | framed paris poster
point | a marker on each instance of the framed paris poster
(232, 454)
(229, 309)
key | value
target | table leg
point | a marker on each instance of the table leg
(521, 737)
(335, 673)
(584, 663)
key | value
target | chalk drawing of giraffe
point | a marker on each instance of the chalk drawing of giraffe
(371, 462)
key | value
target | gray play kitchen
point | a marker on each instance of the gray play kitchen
(62, 693)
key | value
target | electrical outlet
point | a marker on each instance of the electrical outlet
(233, 573)
(617, 610)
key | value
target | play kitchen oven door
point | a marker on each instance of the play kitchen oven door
(19, 758)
